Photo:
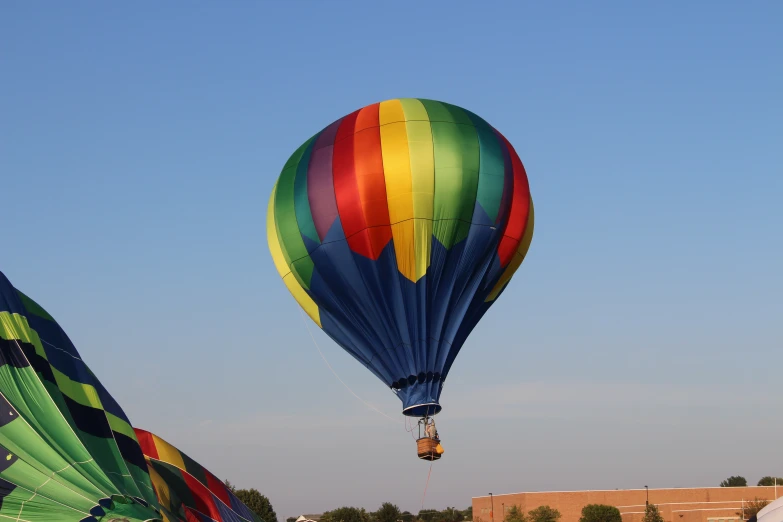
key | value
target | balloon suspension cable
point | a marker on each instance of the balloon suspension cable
(335, 373)
(426, 486)
(409, 427)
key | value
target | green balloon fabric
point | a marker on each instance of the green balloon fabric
(67, 450)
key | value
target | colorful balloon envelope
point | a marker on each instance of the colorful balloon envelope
(184, 486)
(68, 452)
(396, 228)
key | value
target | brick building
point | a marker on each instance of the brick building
(676, 504)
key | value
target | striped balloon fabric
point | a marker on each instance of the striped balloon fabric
(67, 449)
(395, 228)
(68, 452)
(180, 481)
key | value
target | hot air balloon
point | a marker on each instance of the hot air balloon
(68, 452)
(182, 483)
(396, 228)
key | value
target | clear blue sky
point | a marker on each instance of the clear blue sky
(640, 343)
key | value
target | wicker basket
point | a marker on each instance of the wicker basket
(426, 448)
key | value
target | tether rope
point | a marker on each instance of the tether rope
(426, 486)
(335, 373)
(405, 418)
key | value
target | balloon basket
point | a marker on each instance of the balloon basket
(427, 449)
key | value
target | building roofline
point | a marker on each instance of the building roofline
(629, 489)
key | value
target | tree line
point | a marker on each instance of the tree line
(389, 512)
(255, 501)
(738, 481)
